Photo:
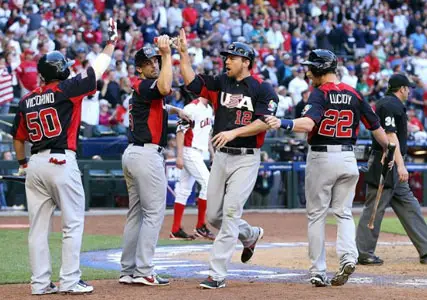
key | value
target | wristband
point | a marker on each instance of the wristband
(22, 161)
(287, 124)
(168, 108)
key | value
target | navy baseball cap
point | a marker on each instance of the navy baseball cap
(398, 80)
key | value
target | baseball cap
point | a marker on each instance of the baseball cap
(350, 68)
(398, 80)
(365, 65)
(269, 58)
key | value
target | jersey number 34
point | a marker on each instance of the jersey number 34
(337, 124)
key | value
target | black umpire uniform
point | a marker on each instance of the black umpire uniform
(392, 113)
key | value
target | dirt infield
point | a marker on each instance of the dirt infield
(279, 228)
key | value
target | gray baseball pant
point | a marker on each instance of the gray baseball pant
(231, 182)
(330, 179)
(144, 171)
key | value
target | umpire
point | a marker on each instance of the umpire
(392, 113)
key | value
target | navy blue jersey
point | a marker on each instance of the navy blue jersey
(393, 118)
(237, 104)
(49, 116)
(148, 118)
(337, 110)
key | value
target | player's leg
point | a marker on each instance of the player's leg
(198, 169)
(216, 189)
(40, 210)
(408, 210)
(67, 191)
(342, 202)
(151, 185)
(183, 190)
(133, 219)
(366, 239)
(241, 171)
(319, 180)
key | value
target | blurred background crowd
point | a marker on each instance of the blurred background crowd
(373, 39)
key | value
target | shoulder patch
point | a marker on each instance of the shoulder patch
(306, 109)
(272, 106)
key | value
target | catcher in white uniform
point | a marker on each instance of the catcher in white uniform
(192, 141)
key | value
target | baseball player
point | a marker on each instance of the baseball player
(192, 140)
(239, 101)
(49, 118)
(392, 113)
(143, 163)
(331, 117)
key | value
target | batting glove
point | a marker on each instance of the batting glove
(113, 35)
(22, 171)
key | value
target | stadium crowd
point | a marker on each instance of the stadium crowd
(372, 38)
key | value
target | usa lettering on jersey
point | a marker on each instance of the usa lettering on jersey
(236, 101)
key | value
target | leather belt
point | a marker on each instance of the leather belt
(159, 148)
(52, 151)
(236, 151)
(325, 148)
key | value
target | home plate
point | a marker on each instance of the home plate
(14, 226)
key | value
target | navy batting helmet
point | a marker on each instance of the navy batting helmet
(54, 66)
(145, 53)
(240, 49)
(321, 61)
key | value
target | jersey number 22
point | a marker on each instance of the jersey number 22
(337, 124)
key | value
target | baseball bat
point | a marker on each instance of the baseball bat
(384, 174)
(12, 178)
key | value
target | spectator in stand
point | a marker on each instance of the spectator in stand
(298, 85)
(79, 44)
(110, 88)
(285, 105)
(104, 113)
(174, 15)
(189, 13)
(415, 127)
(6, 86)
(275, 37)
(205, 24)
(349, 76)
(269, 70)
(20, 27)
(418, 38)
(27, 73)
(90, 113)
(95, 50)
(197, 50)
(299, 108)
(236, 26)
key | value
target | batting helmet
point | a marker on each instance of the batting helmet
(54, 66)
(321, 61)
(145, 53)
(240, 49)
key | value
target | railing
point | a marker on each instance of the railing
(105, 180)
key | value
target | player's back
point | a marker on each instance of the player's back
(337, 110)
(49, 116)
(197, 135)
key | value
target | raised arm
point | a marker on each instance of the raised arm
(185, 64)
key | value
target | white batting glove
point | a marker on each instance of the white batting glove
(22, 171)
(113, 35)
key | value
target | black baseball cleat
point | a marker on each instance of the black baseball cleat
(341, 277)
(319, 280)
(370, 261)
(181, 235)
(423, 259)
(204, 232)
(248, 252)
(209, 283)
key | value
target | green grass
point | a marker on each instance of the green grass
(14, 261)
(389, 225)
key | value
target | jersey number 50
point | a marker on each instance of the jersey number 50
(337, 124)
(43, 124)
